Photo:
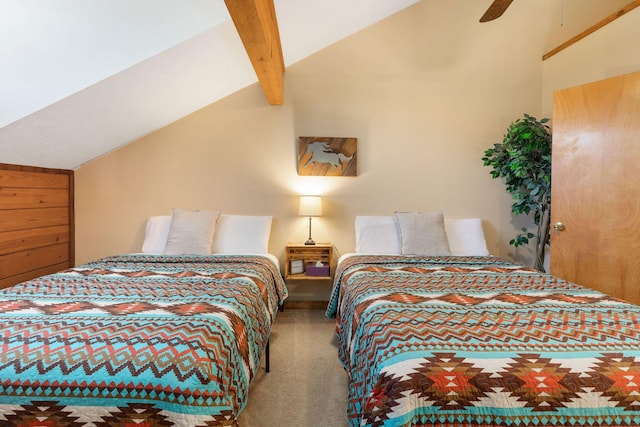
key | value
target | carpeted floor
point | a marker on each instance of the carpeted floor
(307, 386)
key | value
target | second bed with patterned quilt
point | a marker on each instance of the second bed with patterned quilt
(478, 341)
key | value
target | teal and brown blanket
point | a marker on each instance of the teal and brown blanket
(136, 340)
(478, 341)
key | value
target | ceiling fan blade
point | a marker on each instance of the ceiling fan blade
(496, 10)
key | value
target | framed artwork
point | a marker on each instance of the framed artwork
(297, 266)
(327, 156)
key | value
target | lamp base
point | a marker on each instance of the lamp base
(309, 242)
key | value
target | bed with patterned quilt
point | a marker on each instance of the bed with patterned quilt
(145, 340)
(479, 341)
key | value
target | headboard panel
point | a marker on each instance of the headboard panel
(36, 222)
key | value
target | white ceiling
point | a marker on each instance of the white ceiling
(88, 76)
(83, 77)
(59, 47)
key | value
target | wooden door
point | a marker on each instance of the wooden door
(596, 186)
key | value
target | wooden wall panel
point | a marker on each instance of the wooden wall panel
(26, 177)
(29, 198)
(33, 259)
(36, 222)
(28, 219)
(23, 240)
(32, 273)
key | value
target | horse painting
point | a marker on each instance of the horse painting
(322, 153)
(328, 156)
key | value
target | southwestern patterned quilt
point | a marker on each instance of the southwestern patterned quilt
(136, 340)
(478, 341)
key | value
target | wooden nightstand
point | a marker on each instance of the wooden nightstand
(308, 255)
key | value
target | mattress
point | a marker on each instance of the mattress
(137, 340)
(480, 341)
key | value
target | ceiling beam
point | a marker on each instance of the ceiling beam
(257, 26)
(615, 15)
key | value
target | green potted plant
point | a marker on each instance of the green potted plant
(523, 159)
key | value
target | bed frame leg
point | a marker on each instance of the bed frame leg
(267, 357)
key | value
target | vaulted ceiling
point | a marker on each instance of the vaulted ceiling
(83, 77)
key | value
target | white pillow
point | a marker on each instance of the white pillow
(191, 232)
(155, 234)
(377, 235)
(423, 233)
(466, 237)
(242, 234)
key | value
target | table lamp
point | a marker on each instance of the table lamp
(310, 206)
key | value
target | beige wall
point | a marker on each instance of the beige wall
(425, 92)
(611, 51)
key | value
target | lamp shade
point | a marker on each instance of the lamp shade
(310, 206)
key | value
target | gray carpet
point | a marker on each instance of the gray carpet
(307, 385)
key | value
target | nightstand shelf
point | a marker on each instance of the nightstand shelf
(308, 254)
